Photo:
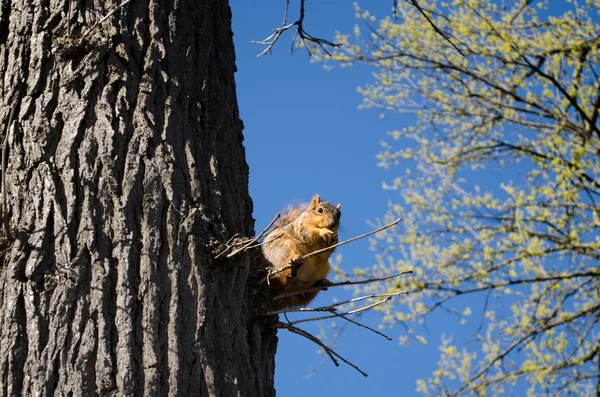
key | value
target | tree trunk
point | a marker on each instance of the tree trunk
(125, 170)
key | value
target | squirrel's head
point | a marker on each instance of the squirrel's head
(324, 214)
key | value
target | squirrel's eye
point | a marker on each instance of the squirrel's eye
(320, 210)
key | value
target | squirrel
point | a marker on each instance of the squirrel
(299, 232)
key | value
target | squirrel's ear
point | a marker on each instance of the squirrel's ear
(314, 202)
(339, 206)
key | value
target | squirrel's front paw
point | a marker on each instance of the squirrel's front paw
(322, 284)
(328, 236)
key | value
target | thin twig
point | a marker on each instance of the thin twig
(340, 284)
(232, 238)
(246, 244)
(333, 305)
(227, 245)
(330, 352)
(117, 8)
(270, 41)
(365, 326)
(300, 259)
(285, 15)
(355, 311)
(310, 337)
(300, 33)
(266, 241)
(349, 240)
(336, 314)
(255, 239)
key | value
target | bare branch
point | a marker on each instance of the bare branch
(366, 327)
(316, 340)
(301, 36)
(265, 241)
(350, 240)
(232, 238)
(343, 283)
(255, 239)
(247, 243)
(355, 311)
(328, 308)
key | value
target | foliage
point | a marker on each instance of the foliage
(502, 190)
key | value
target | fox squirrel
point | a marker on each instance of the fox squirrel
(301, 231)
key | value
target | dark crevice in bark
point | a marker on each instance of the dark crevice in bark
(113, 336)
(81, 290)
(52, 375)
(41, 67)
(166, 316)
(138, 376)
(4, 55)
(55, 118)
(35, 272)
(53, 22)
(5, 8)
(88, 119)
(16, 265)
(50, 273)
(20, 349)
(188, 297)
(83, 356)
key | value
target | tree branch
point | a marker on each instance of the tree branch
(341, 284)
(328, 308)
(302, 35)
(247, 243)
(330, 352)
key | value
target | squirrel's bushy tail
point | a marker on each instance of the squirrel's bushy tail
(290, 214)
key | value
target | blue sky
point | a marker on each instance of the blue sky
(304, 134)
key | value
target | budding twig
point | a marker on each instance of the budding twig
(439, 31)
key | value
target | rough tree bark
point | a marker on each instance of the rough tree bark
(125, 169)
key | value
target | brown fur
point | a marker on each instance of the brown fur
(300, 231)
(289, 214)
